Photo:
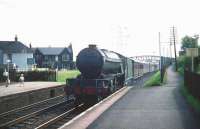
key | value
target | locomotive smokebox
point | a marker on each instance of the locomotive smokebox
(92, 62)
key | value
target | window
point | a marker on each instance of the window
(10, 57)
(65, 57)
(56, 58)
(45, 58)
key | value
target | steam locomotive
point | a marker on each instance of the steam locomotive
(102, 73)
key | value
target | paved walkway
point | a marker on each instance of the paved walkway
(28, 86)
(161, 107)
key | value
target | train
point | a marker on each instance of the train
(102, 73)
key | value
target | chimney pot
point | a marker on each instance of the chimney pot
(16, 39)
(30, 46)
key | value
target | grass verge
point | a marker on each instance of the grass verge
(154, 80)
(63, 75)
(165, 78)
(194, 102)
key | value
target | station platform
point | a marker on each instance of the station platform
(17, 88)
(161, 107)
(18, 95)
(158, 107)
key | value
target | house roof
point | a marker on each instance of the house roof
(52, 50)
(14, 47)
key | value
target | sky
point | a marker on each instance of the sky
(129, 27)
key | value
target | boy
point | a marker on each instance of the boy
(21, 80)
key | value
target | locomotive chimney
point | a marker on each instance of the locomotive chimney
(94, 46)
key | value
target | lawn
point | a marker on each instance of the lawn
(63, 75)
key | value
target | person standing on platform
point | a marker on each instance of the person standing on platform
(21, 80)
(5, 74)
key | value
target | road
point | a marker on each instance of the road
(159, 107)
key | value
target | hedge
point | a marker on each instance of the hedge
(29, 75)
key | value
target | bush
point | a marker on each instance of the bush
(38, 75)
(12, 74)
(184, 62)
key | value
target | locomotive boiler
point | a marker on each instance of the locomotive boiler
(93, 62)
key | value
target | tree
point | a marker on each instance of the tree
(189, 42)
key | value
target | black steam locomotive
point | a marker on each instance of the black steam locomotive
(102, 73)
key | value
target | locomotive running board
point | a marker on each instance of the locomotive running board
(86, 118)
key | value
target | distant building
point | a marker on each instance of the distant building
(17, 53)
(54, 57)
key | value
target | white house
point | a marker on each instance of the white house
(17, 53)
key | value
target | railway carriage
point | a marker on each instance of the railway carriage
(147, 67)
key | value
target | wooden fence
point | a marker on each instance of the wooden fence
(192, 82)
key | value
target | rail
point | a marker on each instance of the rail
(29, 106)
(65, 116)
(23, 119)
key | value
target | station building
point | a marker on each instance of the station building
(54, 57)
(16, 54)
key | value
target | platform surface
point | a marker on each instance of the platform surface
(160, 107)
(28, 86)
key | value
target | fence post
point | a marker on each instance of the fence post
(55, 76)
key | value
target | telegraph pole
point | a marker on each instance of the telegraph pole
(159, 49)
(174, 40)
(170, 49)
(161, 59)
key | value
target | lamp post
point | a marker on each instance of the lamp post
(14, 69)
(56, 59)
(8, 79)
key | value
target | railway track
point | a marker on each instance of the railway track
(63, 118)
(16, 113)
(50, 114)
(33, 115)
